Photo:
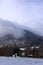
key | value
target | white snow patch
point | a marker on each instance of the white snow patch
(22, 49)
(37, 46)
(20, 61)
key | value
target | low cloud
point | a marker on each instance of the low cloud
(7, 27)
(36, 27)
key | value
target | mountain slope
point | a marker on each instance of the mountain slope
(12, 34)
(29, 39)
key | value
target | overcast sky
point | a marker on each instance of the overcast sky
(24, 12)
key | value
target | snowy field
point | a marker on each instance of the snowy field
(20, 61)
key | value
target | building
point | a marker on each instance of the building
(22, 52)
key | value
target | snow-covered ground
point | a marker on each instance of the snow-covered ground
(20, 61)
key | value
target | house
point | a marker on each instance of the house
(22, 52)
(25, 52)
(34, 51)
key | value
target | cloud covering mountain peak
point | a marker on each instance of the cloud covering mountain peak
(7, 27)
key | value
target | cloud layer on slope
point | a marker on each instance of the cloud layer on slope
(7, 27)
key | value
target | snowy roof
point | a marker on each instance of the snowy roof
(22, 48)
(37, 47)
(34, 47)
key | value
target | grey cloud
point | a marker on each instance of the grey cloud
(7, 27)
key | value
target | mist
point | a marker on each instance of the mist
(7, 27)
(36, 27)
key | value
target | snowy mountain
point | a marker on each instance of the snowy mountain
(12, 34)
